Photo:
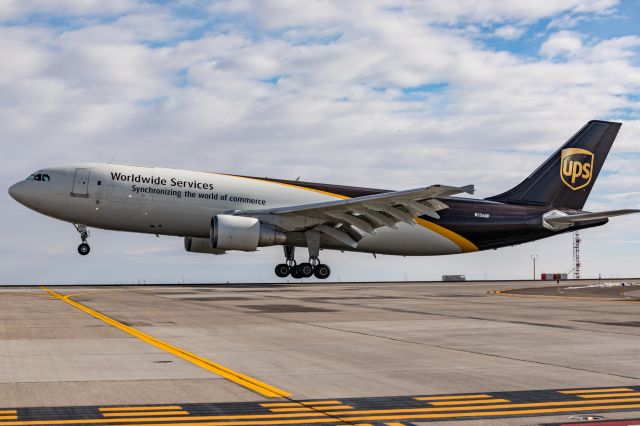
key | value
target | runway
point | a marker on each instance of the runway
(374, 353)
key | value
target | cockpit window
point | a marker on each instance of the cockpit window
(40, 177)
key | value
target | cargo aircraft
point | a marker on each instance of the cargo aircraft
(217, 212)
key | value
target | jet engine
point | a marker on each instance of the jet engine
(200, 245)
(243, 233)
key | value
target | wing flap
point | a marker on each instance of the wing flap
(345, 218)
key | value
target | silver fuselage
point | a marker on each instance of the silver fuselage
(181, 203)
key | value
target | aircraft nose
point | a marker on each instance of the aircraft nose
(16, 192)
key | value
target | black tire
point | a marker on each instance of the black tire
(295, 272)
(84, 249)
(282, 270)
(322, 271)
(306, 269)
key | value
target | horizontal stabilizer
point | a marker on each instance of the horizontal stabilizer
(557, 220)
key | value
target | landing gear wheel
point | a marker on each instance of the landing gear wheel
(305, 269)
(322, 271)
(295, 272)
(84, 249)
(282, 270)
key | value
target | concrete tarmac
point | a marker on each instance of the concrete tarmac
(155, 345)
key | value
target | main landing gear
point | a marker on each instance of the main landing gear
(83, 248)
(307, 269)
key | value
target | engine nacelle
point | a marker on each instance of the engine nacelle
(243, 233)
(200, 245)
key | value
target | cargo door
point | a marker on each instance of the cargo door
(81, 183)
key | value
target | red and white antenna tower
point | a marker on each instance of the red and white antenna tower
(576, 254)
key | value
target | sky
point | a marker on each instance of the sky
(388, 94)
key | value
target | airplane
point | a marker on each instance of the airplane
(217, 212)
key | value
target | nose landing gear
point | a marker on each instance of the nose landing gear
(83, 248)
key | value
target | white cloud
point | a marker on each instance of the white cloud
(563, 43)
(506, 10)
(17, 9)
(509, 32)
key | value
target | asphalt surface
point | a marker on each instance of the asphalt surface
(374, 353)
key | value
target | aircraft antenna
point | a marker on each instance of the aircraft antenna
(576, 254)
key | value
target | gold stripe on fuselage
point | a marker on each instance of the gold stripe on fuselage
(291, 185)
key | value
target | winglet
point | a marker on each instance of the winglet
(469, 189)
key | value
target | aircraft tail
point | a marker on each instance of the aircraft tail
(566, 178)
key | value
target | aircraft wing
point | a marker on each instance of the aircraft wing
(350, 219)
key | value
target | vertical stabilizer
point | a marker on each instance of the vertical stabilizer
(566, 178)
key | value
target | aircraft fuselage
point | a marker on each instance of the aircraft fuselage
(181, 203)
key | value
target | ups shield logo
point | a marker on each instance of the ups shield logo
(576, 167)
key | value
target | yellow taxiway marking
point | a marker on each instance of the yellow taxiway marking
(238, 378)
(609, 395)
(315, 408)
(145, 413)
(362, 415)
(445, 398)
(297, 404)
(8, 417)
(470, 402)
(8, 411)
(320, 418)
(153, 407)
(559, 298)
(579, 391)
(333, 407)
(291, 409)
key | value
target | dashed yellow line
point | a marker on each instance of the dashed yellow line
(609, 395)
(2, 412)
(145, 413)
(406, 415)
(451, 397)
(470, 402)
(138, 408)
(316, 408)
(8, 417)
(575, 405)
(233, 376)
(603, 390)
(292, 409)
(363, 415)
(557, 298)
(296, 404)
(333, 407)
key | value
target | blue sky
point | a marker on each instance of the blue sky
(391, 94)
